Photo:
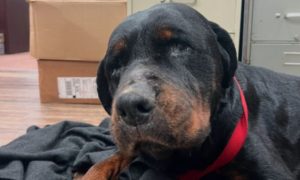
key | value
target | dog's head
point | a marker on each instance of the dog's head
(161, 78)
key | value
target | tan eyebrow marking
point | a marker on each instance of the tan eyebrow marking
(120, 45)
(165, 33)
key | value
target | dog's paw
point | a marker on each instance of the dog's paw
(108, 169)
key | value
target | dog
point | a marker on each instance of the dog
(173, 86)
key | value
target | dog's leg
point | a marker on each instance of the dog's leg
(108, 169)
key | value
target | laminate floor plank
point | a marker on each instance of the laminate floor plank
(20, 106)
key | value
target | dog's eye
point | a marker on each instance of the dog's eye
(115, 77)
(177, 49)
(116, 62)
(115, 73)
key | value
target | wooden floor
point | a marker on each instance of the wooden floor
(20, 107)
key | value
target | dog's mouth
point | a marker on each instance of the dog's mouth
(157, 124)
(155, 150)
(155, 139)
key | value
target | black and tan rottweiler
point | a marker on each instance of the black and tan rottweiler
(167, 80)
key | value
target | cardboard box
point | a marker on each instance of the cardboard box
(68, 81)
(73, 29)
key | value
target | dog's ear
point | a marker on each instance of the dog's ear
(102, 88)
(228, 52)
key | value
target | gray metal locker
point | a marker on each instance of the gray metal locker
(272, 35)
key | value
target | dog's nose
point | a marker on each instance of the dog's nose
(134, 109)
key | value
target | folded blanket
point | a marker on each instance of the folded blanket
(55, 152)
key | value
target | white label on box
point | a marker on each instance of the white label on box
(77, 88)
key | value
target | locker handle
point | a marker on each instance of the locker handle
(291, 64)
(290, 61)
(292, 53)
(292, 15)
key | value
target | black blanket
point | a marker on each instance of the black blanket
(57, 151)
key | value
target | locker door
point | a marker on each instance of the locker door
(283, 58)
(276, 20)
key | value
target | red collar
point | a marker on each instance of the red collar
(232, 148)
